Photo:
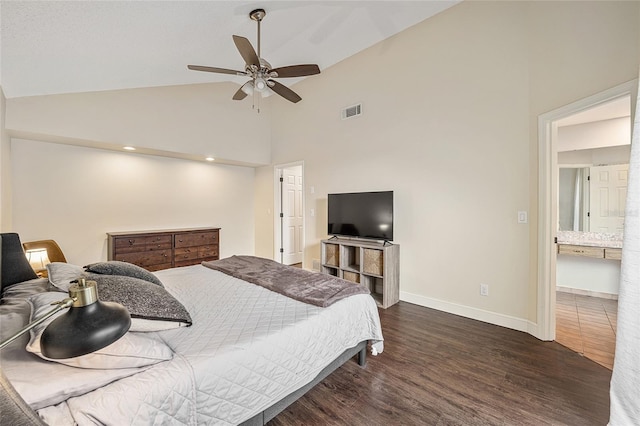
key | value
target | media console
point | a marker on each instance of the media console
(369, 263)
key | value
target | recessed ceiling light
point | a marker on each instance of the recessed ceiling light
(129, 148)
(209, 158)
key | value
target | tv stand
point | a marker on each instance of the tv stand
(370, 263)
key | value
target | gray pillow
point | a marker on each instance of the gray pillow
(62, 274)
(115, 267)
(141, 298)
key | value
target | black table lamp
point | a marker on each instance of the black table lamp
(88, 326)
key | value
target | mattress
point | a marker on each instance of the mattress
(248, 348)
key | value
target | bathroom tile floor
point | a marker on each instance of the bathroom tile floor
(587, 325)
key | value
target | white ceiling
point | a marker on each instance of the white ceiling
(616, 108)
(51, 47)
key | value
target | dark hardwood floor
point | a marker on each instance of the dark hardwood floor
(442, 369)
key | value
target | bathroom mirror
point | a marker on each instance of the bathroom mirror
(573, 199)
(592, 199)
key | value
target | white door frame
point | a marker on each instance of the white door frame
(277, 227)
(548, 200)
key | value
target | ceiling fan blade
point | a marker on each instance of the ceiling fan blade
(214, 69)
(241, 94)
(284, 91)
(297, 70)
(247, 51)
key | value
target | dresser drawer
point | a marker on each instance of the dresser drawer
(159, 246)
(186, 254)
(208, 251)
(158, 267)
(145, 258)
(195, 239)
(134, 244)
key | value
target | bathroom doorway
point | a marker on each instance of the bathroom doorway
(593, 149)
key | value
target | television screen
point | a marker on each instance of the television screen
(361, 214)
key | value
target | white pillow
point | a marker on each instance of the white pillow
(61, 274)
(130, 351)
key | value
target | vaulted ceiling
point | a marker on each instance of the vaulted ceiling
(52, 47)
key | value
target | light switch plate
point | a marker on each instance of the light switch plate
(522, 217)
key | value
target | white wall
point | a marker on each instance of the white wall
(450, 124)
(76, 195)
(598, 277)
(5, 170)
(596, 156)
(598, 134)
(198, 119)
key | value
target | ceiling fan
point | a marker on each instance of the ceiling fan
(259, 70)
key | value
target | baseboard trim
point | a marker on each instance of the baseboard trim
(587, 292)
(502, 320)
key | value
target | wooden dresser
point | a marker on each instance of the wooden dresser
(166, 248)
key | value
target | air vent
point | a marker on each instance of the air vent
(352, 111)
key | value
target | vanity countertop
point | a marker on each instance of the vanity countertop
(590, 239)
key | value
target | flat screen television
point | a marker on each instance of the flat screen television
(361, 215)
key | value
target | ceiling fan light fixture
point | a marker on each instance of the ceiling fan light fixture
(259, 71)
(248, 88)
(259, 84)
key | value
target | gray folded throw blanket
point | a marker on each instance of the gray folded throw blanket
(308, 287)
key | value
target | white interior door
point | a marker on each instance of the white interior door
(608, 195)
(292, 221)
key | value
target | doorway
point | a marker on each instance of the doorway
(548, 175)
(593, 160)
(289, 217)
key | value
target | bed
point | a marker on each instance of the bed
(248, 353)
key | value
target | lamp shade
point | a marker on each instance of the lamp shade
(88, 325)
(38, 259)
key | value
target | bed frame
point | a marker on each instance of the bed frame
(262, 418)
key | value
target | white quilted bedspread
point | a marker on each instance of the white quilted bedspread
(248, 348)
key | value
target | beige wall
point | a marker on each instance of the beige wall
(5, 171)
(450, 124)
(197, 119)
(75, 195)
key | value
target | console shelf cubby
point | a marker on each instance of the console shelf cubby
(369, 263)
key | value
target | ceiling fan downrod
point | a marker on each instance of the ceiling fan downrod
(257, 16)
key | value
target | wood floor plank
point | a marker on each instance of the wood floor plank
(442, 369)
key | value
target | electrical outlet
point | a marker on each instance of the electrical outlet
(484, 289)
(316, 264)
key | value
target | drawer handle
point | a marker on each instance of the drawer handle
(131, 242)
